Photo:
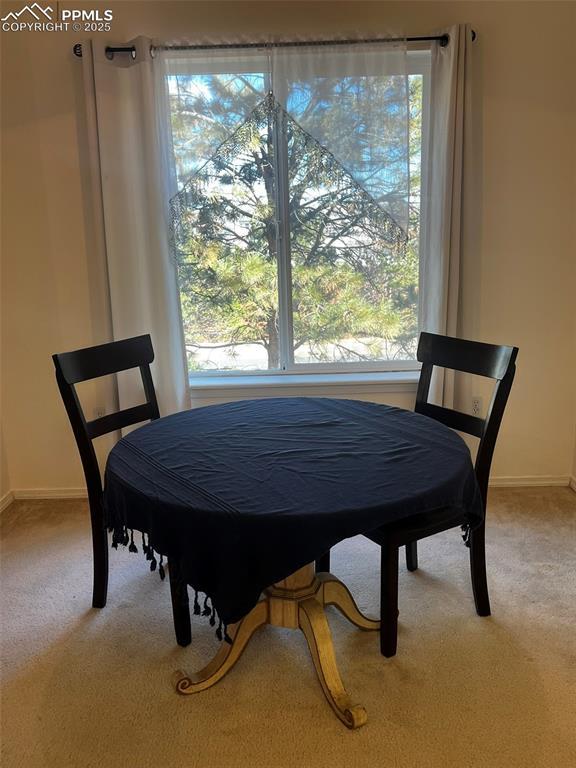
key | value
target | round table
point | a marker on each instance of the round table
(247, 495)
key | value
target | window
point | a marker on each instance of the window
(288, 258)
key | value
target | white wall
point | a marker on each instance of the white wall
(573, 479)
(519, 266)
(5, 485)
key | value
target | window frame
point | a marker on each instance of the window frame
(418, 60)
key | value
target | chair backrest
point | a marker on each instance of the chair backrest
(91, 363)
(490, 360)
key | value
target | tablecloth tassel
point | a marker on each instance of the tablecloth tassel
(153, 562)
(148, 549)
(132, 547)
(219, 630)
(196, 604)
(119, 536)
(213, 617)
(227, 637)
(466, 534)
(161, 570)
(207, 611)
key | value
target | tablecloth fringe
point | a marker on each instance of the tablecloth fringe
(125, 536)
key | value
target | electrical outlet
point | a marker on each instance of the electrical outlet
(98, 412)
(477, 406)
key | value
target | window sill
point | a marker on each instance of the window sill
(304, 384)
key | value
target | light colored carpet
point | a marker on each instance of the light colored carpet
(84, 687)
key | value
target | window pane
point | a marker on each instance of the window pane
(354, 290)
(204, 110)
(226, 230)
(354, 294)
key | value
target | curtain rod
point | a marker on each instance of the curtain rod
(443, 40)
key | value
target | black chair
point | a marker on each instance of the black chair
(91, 363)
(495, 362)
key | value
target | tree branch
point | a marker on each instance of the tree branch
(224, 346)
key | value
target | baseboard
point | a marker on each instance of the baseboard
(80, 493)
(41, 493)
(516, 481)
(50, 493)
(6, 500)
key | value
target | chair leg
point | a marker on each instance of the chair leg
(100, 558)
(412, 556)
(323, 563)
(389, 599)
(478, 571)
(180, 608)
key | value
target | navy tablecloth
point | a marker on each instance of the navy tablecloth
(246, 493)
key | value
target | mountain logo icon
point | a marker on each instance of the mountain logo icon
(35, 10)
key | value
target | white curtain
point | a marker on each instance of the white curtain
(450, 137)
(122, 96)
(354, 100)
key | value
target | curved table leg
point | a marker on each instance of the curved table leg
(314, 625)
(336, 593)
(227, 656)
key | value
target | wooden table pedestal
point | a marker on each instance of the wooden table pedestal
(296, 602)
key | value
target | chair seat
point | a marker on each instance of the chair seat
(417, 527)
